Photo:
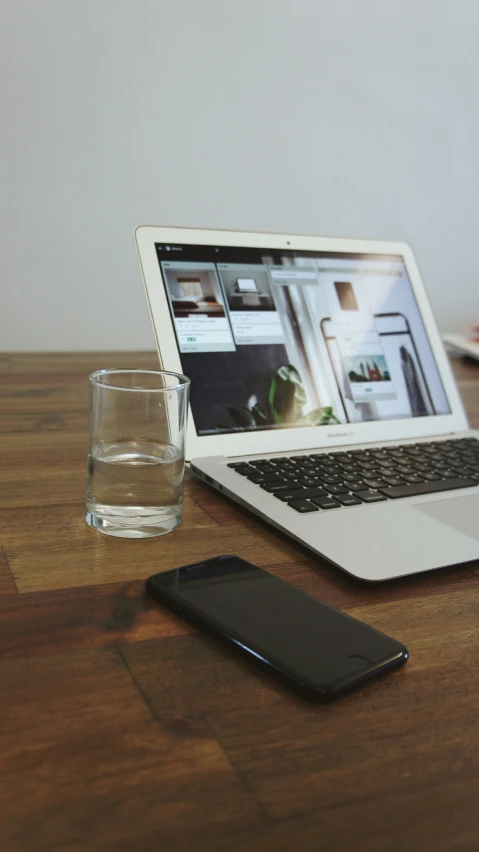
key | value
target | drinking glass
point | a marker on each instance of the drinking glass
(136, 455)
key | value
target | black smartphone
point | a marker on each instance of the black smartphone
(308, 645)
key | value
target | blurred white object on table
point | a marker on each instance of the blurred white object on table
(466, 344)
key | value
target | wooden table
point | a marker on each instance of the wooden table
(124, 729)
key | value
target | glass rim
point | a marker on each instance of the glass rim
(94, 379)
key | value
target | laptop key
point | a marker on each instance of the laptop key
(418, 488)
(371, 496)
(337, 489)
(405, 470)
(259, 478)
(374, 483)
(356, 486)
(302, 506)
(300, 494)
(316, 491)
(326, 504)
(368, 465)
(308, 483)
(352, 477)
(262, 463)
(244, 470)
(290, 494)
(396, 480)
(348, 500)
(321, 468)
(273, 487)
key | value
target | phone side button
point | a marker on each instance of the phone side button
(303, 506)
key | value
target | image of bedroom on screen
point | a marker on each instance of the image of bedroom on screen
(197, 305)
(194, 293)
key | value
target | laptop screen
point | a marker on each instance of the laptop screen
(273, 338)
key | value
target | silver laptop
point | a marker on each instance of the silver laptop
(321, 395)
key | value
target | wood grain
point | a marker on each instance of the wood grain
(7, 583)
(96, 756)
(124, 728)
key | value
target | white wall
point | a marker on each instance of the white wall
(342, 117)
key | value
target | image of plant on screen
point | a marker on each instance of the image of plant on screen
(285, 405)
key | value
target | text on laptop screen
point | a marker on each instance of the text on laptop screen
(273, 339)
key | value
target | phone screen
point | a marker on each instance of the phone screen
(310, 643)
(387, 357)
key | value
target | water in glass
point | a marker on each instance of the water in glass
(135, 487)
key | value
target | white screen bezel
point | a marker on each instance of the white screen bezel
(295, 438)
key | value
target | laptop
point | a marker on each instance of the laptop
(322, 399)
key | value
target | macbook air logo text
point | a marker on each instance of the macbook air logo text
(339, 434)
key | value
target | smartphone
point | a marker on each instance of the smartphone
(413, 397)
(311, 647)
(394, 329)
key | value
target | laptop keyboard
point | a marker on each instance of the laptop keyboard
(323, 481)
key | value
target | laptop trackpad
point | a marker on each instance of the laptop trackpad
(460, 513)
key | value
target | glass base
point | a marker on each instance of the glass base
(134, 525)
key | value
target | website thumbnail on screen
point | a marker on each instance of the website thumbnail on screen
(280, 339)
